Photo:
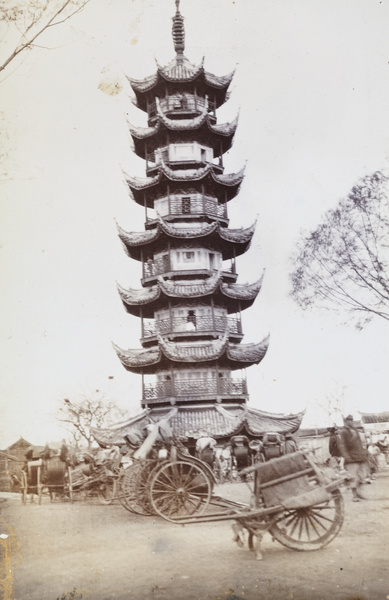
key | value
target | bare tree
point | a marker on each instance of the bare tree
(344, 264)
(93, 411)
(333, 404)
(29, 19)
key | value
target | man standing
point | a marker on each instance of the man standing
(354, 454)
(290, 444)
(205, 449)
(383, 445)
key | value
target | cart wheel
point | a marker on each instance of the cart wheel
(107, 491)
(133, 488)
(310, 528)
(180, 489)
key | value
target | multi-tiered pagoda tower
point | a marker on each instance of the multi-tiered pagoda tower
(190, 303)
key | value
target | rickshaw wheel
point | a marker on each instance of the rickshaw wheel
(312, 527)
(107, 491)
(133, 489)
(179, 489)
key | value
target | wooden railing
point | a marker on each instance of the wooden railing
(158, 266)
(197, 205)
(163, 265)
(184, 104)
(153, 159)
(202, 324)
(189, 388)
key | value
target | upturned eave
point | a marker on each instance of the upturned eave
(147, 189)
(230, 242)
(183, 73)
(234, 297)
(220, 421)
(221, 351)
(219, 137)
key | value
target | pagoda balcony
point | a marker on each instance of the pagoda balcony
(190, 208)
(195, 160)
(182, 327)
(194, 390)
(181, 107)
(153, 269)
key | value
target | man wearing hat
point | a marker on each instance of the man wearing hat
(354, 454)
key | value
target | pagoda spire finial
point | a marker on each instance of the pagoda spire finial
(178, 31)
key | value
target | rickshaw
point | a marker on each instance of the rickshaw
(148, 485)
(291, 498)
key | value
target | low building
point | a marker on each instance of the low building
(11, 461)
(376, 422)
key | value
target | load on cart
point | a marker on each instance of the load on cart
(45, 470)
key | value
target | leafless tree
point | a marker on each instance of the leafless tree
(90, 411)
(344, 264)
(333, 404)
(29, 19)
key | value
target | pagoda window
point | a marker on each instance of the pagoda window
(191, 320)
(180, 151)
(188, 256)
(182, 258)
(189, 152)
(186, 205)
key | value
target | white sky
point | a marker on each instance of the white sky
(312, 87)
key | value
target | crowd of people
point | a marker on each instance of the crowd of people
(352, 451)
(239, 452)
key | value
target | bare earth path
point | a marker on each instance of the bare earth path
(88, 551)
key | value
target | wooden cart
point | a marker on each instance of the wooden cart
(291, 498)
(94, 480)
(50, 474)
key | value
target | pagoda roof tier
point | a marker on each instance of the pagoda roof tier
(220, 421)
(186, 76)
(146, 301)
(225, 353)
(230, 242)
(147, 189)
(169, 130)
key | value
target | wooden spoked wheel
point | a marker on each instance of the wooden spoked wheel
(179, 489)
(133, 488)
(312, 527)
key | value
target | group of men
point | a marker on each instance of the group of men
(350, 447)
(243, 451)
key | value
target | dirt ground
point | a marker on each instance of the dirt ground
(64, 551)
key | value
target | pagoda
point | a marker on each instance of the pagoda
(191, 360)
